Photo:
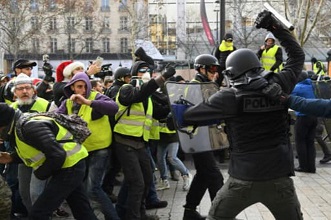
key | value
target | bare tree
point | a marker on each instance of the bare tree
(305, 16)
(137, 23)
(20, 21)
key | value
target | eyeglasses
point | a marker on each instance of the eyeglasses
(143, 70)
(23, 87)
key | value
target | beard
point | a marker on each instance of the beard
(28, 101)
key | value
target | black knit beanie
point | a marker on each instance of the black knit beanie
(6, 114)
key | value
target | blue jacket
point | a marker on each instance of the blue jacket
(315, 107)
(303, 89)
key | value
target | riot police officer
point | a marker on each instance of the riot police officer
(261, 158)
(208, 176)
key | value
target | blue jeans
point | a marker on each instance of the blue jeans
(170, 149)
(65, 184)
(30, 187)
(98, 162)
(11, 176)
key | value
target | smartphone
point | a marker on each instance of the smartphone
(98, 61)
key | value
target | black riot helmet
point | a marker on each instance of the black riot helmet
(240, 62)
(205, 61)
(121, 72)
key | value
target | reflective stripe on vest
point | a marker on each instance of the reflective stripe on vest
(268, 58)
(137, 123)
(101, 134)
(34, 158)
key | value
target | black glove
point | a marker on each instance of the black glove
(48, 69)
(48, 78)
(140, 52)
(266, 20)
(169, 72)
(275, 92)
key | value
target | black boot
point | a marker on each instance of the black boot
(191, 214)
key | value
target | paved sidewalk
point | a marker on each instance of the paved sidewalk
(314, 192)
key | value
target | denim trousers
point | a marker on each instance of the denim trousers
(65, 184)
(169, 151)
(11, 176)
(277, 195)
(98, 162)
(136, 165)
(30, 187)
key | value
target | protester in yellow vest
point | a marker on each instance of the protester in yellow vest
(94, 108)
(270, 54)
(132, 133)
(318, 66)
(27, 101)
(54, 154)
(221, 53)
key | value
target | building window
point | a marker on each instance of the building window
(124, 45)
(123, 4)
(105, 5)
(88, 23)
(35, 45)
(72, 45)
(34, 23)
(52, 24)
(52, 4)
(123, 23)
(89, 45)
(13, 5)
(53, 45)
(14, 22)
(106, 45)
(106, 23)
(70, 23)
(33, 5)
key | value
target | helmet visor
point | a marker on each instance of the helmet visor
(213, 69)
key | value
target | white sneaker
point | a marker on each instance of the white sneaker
(162, 184)
(187, 182)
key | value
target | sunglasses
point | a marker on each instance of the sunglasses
(213, 69)
(142, 70)
(228, 40)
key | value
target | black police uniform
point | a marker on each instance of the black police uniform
(261, 160)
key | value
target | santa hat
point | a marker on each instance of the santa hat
(71, 67)
(59, 70)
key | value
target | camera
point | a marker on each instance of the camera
(106, 70)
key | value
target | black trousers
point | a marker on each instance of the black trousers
(305, 129)
(208, 177)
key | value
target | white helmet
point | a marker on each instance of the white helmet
(269, 36)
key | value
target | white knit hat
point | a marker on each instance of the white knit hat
(22, 79)
(71, 67)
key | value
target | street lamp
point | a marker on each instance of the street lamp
(222, 18)
(217, 11)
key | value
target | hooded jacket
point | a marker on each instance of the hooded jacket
(100, 107)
